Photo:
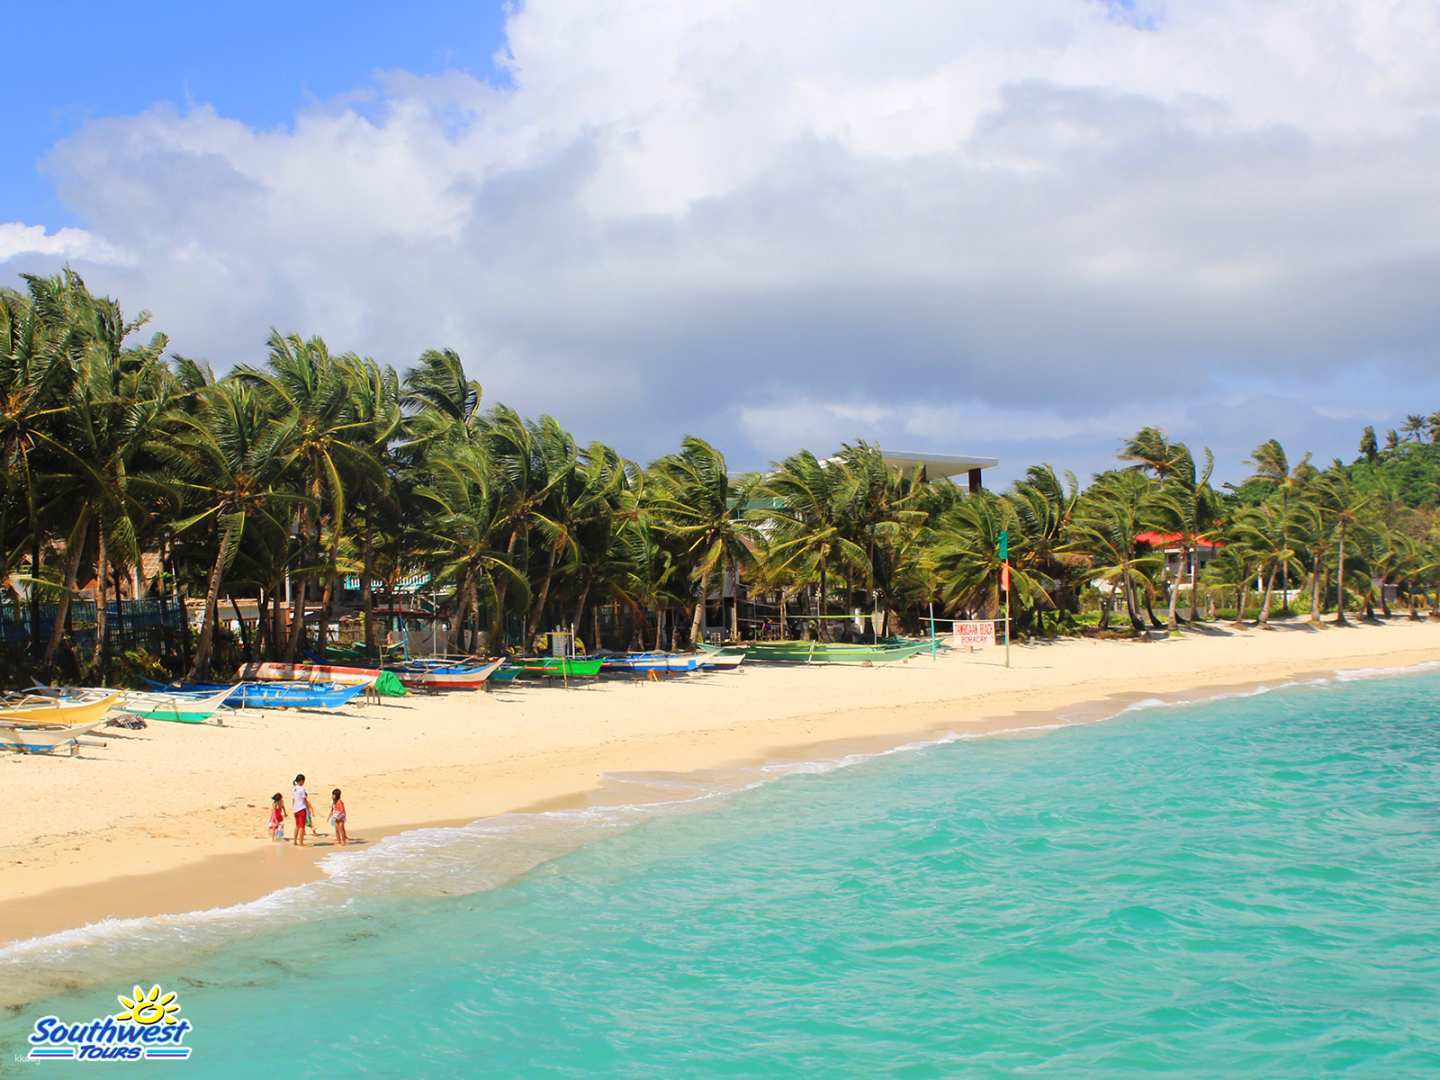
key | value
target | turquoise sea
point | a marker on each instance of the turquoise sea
(1239, 887)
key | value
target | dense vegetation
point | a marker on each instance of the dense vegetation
(311, 466)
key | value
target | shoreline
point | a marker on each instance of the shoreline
(193, 875)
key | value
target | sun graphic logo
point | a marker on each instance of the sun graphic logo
(147, 1009)
(149, 1028)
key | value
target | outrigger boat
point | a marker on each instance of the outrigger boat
(825, 652)
(48, 708)
(312, 673)
(721, 661)
(268, 695)
(445, 674)
(556, 667)
(178, 708)
(650, 662)
(44, 740)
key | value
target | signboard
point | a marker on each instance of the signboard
(974, 634)
(1004, 544)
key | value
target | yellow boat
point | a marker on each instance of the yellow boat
(42, 712)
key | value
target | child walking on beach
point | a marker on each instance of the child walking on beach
(337, 816)
(277, 817)
(300, 805)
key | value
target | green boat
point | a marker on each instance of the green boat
(824, 652)
(555, 667)
(175, 708)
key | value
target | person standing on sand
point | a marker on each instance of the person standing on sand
(337, 815)
(300, 806)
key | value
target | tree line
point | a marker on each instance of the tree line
(286, 476)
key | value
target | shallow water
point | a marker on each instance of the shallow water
(1240, 887)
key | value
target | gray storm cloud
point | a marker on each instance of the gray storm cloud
(945, 225)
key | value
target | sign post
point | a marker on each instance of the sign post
(1005, 586)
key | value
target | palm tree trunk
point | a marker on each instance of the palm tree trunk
(455, 638)
(822, 632)
(1315, 587)
(1240, 591)
(277, 621)
(1340, 580)
(201, 666)
(35, 590)
(502, 587)
(782, 614)
(1264, 617)
(1172, 621)
(1107, 601)
(595, 624)
(474, 622)
(297, 619)
(735, 600)
(245, 640)
(367, 599)
(262, 623)
(579, 619)
(74, 547)
(327, 604)
(697, 623)
(660, 628)
(1193, 555)
(1132, 608)
(98, 657)
(532, 627)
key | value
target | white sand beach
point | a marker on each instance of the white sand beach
(172, 818)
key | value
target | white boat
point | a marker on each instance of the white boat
(721, 661)
(43, 740)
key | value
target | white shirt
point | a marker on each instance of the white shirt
(298, 798)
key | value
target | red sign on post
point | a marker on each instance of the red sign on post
(1005, 577)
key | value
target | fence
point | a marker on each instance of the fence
(153, 625)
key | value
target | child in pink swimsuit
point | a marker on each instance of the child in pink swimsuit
(277, 817)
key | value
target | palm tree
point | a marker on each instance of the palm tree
(116, 399)
(1272, 468)
(1152, 451)
(327, 444)
(459, 536)
(883, 513)
(692, 496)
(1413, 426)
(1191, 508)
(1343, 507)
(35, 372)
(226, 457)
(965, 550)
(805, 526)
(1260, 536)
(1116, 509)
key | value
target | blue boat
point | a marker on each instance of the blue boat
(650, 661)
(273, 695)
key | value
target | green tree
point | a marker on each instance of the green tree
(693, 496)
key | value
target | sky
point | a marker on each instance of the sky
(1022, 230)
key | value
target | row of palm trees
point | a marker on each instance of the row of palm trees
(279, 480)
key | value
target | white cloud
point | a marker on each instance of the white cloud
(17, 238)
(1036, 216)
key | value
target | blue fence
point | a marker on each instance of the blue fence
(154, 625)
